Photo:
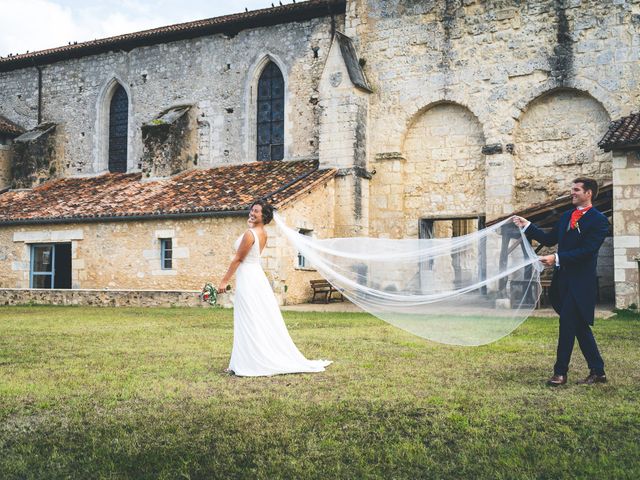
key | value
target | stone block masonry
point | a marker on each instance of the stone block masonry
(101, 298)
(5, 167)
(216, 73)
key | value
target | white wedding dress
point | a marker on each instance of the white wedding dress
(261, 343)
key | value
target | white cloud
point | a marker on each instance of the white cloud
(26, 25)
(31, 25)
(40, 24)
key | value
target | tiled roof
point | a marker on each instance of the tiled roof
(123, 196)
(8, 127)
(227, 24)
(622, 134)
(545, 214)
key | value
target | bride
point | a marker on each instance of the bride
(261, 343)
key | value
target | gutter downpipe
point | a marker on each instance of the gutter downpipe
(39, 69)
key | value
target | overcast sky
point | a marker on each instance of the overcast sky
(39, 24)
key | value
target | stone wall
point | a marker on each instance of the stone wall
(500, 60)
(532, 84)
(126, 255)
(541, 78)
(5, 166)
(626, 225)
(555, 139)
(101, 298)
(216, 73)
(442, 176)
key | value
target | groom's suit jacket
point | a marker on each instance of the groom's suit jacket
(577, 255)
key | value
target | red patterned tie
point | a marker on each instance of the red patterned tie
(577, 215)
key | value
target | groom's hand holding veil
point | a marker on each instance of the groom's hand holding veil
(547, 260)
(521, 222)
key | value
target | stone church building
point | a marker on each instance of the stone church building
(127, 164)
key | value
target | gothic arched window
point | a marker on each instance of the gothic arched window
(118, 128)
(271, 114)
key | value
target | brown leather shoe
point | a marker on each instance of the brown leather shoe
(593, 378)
(557, 380)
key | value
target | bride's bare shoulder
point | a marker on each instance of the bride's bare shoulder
(248, 236)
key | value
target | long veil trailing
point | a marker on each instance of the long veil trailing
(466, 290)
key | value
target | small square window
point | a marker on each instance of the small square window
(166, 253)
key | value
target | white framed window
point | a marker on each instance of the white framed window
(301, 261)
(50, 265)
(166, 253)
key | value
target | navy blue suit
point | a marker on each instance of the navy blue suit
(573, 287)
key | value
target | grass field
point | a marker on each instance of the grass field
(140, 393)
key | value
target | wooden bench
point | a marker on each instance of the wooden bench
(325, 290)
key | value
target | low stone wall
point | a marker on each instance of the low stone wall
(104, 298)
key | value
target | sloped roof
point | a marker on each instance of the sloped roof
(623, 134)
(356, 75)
(123, 196)
(10, 128)
(227, 24)
(546, 214)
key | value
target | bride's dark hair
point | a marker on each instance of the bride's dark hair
(267, 210)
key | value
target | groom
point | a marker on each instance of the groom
(579, 234)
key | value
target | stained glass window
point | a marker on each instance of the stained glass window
(118, 128)
(271, 114)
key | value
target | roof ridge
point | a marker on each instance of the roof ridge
(235, 22)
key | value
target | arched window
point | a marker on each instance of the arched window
(271, 114)
(118, 128)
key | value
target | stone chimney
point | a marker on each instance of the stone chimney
(344, 98)
(37, 156)
(8, 132)
(170, 142)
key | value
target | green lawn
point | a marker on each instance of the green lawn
(140, 393)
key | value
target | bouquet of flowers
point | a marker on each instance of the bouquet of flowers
(209, 294)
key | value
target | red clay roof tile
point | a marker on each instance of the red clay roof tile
(114, 195)
(623, 133)
(8, 127)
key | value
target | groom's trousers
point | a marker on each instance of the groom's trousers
(573, 326)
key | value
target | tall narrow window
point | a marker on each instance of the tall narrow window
(166, 253)
(271, 114)
(118, 128)
(302, 261)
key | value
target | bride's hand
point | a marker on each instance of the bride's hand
(223, 287)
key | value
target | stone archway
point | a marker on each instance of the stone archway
(440, 173)
(444, 172)
(556, 140)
